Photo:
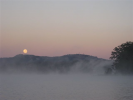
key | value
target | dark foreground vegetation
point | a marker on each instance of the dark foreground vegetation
(123, 58)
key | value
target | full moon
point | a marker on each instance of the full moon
(25, 51)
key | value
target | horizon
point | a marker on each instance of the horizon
(53, 56)
(57, 28)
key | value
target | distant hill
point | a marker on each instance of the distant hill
(72, 63)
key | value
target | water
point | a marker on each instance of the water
(65, 87)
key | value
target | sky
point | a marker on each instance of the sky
(60, 27)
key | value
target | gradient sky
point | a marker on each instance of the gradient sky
(59, 27)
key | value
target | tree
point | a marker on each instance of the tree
(123, 58)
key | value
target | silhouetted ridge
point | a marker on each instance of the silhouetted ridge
(60, 64)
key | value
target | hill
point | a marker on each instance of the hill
(60, 64)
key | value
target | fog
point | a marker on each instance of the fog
(65, 87)
(88, 66)
(69, 77)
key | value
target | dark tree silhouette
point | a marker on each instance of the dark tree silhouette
(123, 58)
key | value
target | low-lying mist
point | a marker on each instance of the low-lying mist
(67, 64)
(96, 68)
(69, 77)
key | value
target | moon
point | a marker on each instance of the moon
(25, 51)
